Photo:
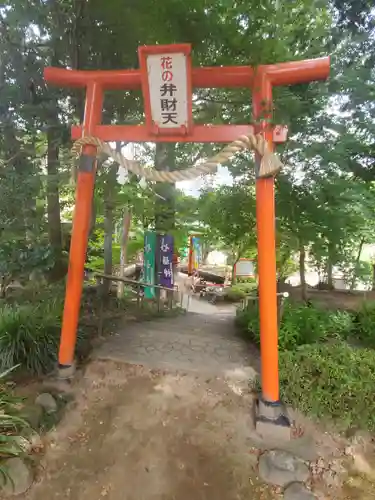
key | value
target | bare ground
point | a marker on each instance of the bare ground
(332, 299)
(136, 434)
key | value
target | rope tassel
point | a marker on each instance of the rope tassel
(270, 163)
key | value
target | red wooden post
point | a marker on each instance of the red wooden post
(81, 222)
(265, 213)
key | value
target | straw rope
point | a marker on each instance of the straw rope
(270, 163)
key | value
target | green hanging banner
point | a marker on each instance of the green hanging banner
(149, 264)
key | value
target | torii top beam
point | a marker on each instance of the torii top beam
(289, 73)
(97, 82)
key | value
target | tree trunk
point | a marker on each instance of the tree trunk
(125, 229)
(354, 278)
(330, 275)
(53, 203)
(109, 188)
(330, 267)
(78, 51)
(234, 277)
(282, 266)
(4, 284)
(205, 252)
(373, 278)
(165, 206)
(302, 272)
(108, 232)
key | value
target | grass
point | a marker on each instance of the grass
(30, 335)
(12, 426)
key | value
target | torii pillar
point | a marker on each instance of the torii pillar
(172, 64)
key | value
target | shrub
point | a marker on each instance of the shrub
(29, 336)
(304, 324)
(331, 380)
(247, 281)
(364, 328)
(248, 321)
(300, 324)
(12, 426)
(235, 294)
(240, 290)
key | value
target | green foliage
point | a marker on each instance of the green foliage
(240, 290)
(29, 336)
(18, 259)
(305, 325)
(334, 381)
(320, 372)
(229, 214)
(300, 324)
(248, 321)
(355, 272)
(365, 325)
(235, 293)
(11, 423)
(248, 283)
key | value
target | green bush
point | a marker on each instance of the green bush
(247, 281)
(248, 321)
(240, 290)
(305, 324)
(12, 426)
(325, 379)
(29, 336)
(235, 294)
(300, 324)
(364, 327)
(335, 381)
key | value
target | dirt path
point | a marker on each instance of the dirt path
(138, 434)
(203, 341)
(164, 412)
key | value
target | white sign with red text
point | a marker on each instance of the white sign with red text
(167, 79)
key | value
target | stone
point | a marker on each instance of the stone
(272, 422)
(362, 466)
(18, 478)
(303, 447)
(33, 415)
(281, 468)
(62, 386)
(35, 442)
(298, 491)
(272, 431)
(47, 402)
(66, 372)
(331, 479)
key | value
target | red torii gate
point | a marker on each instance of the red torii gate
(259, 81)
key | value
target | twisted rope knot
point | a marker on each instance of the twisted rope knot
(270, 163)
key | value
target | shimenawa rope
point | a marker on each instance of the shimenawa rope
(270, 163)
